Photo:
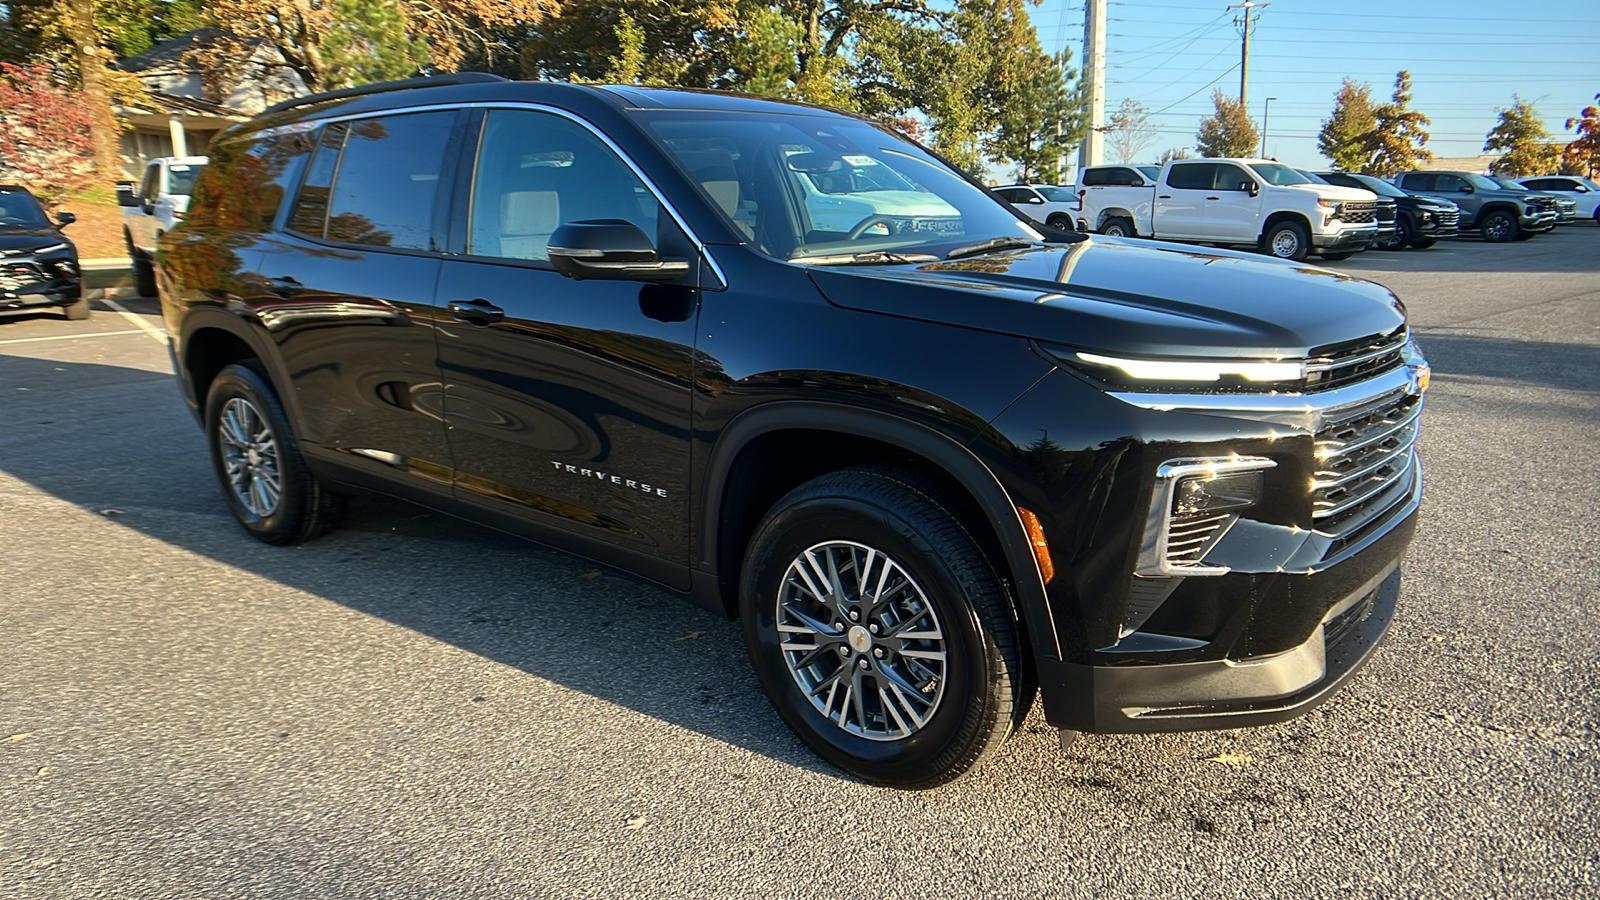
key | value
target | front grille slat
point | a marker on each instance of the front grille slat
(1367, 458)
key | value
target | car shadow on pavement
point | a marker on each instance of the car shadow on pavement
(1569, 367)
(115, 441)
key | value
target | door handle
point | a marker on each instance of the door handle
(1164, 197)
(476, 312)
(285, 286)
(1213, 198)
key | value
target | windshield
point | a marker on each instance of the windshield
(1314, 178)
(180, 177)
(1378, 186)
(1510, 185)
(1057, 194)
(1274, 173)
(799, 185)
(1150, 172)
(20, 210)
(1482, 183)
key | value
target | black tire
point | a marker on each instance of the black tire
(1401, 239)
(77, 310)
(937, 581)
(1287, 240)
(1499, 226)
(302, 508)
(144, 275)
(1061, 221)
(1119, 226)
(1524, 235)
(1423, 243)
(1336, 257)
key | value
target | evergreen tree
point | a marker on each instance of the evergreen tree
(1228, 132)
(1043, 117)
(1341, 137)
(1521, 137)
(368, 42)
(1396, 142)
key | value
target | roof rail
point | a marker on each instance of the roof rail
(385, 87)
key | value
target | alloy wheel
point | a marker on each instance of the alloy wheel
(862, 640)
(250, 457)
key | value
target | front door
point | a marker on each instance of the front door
(1232, 214)
(1181, 201)
(567, 402)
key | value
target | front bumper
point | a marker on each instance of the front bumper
(1349, 239)
(1539, 222)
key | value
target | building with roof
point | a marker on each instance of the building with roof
(196, 85)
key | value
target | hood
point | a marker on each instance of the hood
(1425, 200)
(1129, 297)
(13, 240)
(1332, 191)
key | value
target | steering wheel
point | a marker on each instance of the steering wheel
(874, 219)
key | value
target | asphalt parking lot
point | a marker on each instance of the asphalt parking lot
(417, 707)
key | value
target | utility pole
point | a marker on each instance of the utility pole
(1244, 52)
(1094, 68)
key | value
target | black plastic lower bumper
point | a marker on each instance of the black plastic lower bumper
(1352, 239)
(1226, 693)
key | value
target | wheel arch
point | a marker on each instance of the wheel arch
(211, 341)
(1115, 212)
(1279, 217)
(767, 451)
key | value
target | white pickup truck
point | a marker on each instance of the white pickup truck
(1236, 202)
(157, 204)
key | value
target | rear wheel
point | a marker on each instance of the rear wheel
(1499, 226)
(1119, 226)
(1287, 240)
(257, 461)
(880, 631)
(1524, 235)
(144, 275)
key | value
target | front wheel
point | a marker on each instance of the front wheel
(1423, 243)
(1499, 226)
(1287, 240)
(1060, 221)
(257, 461)
(1400, 239)
(880, 631)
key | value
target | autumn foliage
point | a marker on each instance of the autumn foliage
(44, 132)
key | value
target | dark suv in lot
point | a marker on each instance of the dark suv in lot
(1419, 221)
(1496, 212)
(38, 264)
(936, 463)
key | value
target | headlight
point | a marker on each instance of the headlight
(1205, 371)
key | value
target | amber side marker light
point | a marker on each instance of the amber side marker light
(1041, 549)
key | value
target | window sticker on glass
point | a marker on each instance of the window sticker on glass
(860, 160)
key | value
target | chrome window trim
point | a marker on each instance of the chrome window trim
(699, 245)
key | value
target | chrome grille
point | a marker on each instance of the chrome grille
(1569, 208)
(1356, 212)
(1366, 464)
(1449, 218)
(1189, 537)
(18, 275)
(1341, 364)
(1386, 211)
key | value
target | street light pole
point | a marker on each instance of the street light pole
(1264, 114)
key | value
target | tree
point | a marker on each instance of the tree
(1521, 137)
(368, 42)
(1130, 130)
(44, 132)
(1171, 154)
(1042, 118)
(1341, 137)
(1396, 142)
(1582, 156)
(1229, 132)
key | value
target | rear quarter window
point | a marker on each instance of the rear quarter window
(245, 183)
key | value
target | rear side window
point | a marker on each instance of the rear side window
(244, 185)
(376, 181)
(1192, 177)
(1096, 177)
(1417, 182)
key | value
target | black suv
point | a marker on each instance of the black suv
(935, 462)
(1420, 221)
(38, 264)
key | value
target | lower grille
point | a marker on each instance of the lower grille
(1366, 465)
(1335, 629)
(18, 275)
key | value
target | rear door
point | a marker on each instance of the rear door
(567, 401)
(347, 292)
(1181, 200)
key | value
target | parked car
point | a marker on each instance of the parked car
(1387, 210)
(1583, 192)
(1049, 204)
(38, 263)
(1486, 206)
(1419, 221)
(1254, 203)
(151, 210)
(1566, 209)
(932, 470)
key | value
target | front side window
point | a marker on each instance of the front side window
(536, 171)
(799, 185)
(1233, 178)
(147, 187)
(376, 181)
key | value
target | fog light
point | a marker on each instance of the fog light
(1194, 504)
(1201, 494)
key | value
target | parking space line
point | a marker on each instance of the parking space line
(123, 311)
(67, 337)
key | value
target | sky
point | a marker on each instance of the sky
(1466, 57)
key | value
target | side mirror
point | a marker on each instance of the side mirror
(1036, 201)
(65, 218)
(1250, 186)
(1466, 189)
(610, 250)
(127, 194)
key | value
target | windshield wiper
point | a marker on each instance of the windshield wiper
(866, 258)
(992, 244)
